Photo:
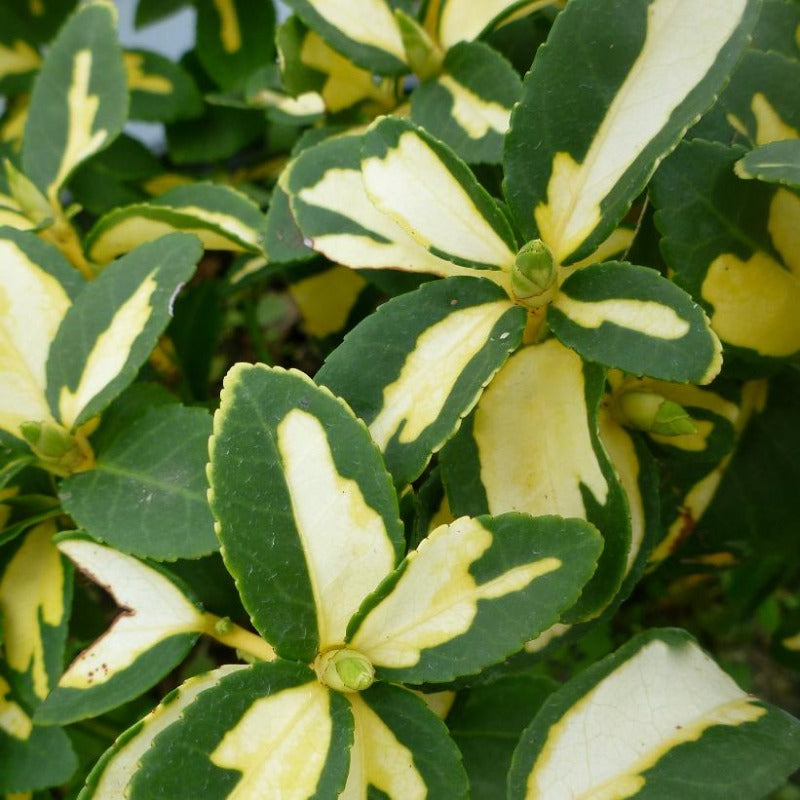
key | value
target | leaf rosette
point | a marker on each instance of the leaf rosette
(295, 477)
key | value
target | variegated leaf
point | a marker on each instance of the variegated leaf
(283, 109)
(19, 56)
(776, 162)
(37, 290)
(697, 477)
(570, 184)
(111, 776)
(401, 749)
(637, 473)
(156, 629)
(31, 757)
(271, 730)
(432, 353)
(25, 196)
(468, 106)
(35, 599)
(308, 64)
(712, 416)
(756, 501)
(354, 233)
(453, 21)
(426, 189)
(79, 101)
(112, 327)
(734, 246)
(234, 39)
(656, 719)
(160, 89)
(146, 493)
(221, 217)
(532, 445)
(13, 217)
(371, 38)
(295, 477)
(630, 317)
(760, 105)
(472, 593)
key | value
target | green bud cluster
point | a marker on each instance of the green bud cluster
(653, 413)
(534, 276)
(344, 670)
(422, 54)
(59, 450)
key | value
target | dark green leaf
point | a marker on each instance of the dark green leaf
(147, 492)
(631, 318)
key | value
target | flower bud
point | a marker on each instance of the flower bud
(32, 202)
(422, 54)
(47, 439)
(61, 452)
(344, 670)
(655, 414)
(534, 274)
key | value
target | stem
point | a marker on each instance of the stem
(232, 635)
(63, 236)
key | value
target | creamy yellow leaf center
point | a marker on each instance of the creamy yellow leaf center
(110, 352)
(441, 353)
(82, 107)
(346, 545)
(229, 32)
(280, 745)
(682, 42)
(436, 598)
(475, 115)
(659, 699)
(533, 436)
(31, 595)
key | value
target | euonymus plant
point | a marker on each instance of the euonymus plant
(420, 419)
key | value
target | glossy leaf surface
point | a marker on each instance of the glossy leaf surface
(630, 317)
(295, 476)
(146, 494)
(433, 351)
(79, 101)
(155, 631)
(221, 217)
(113, 326)
(532, 445)
(270, 729)
(472, 593)
(469, 105)
(580, 150)
(656, 717)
